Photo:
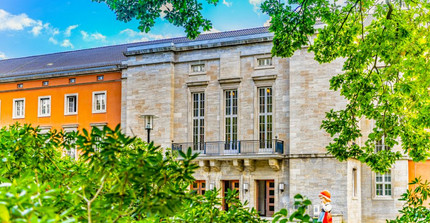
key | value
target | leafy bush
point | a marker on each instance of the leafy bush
(116, 179)
(414, 209)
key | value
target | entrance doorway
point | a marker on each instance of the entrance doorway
(226, 185)
(266, 197)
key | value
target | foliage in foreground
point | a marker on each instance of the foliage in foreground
(414, 209)
(116, 179)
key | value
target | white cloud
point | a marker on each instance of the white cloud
(228, 4)
(134, 36)
(14, 22)
(20, 22)
(53, 40)
(92, 37)
(66, 43)
(2, 56)
(268, 22)
(84, 35)
(69, 29)
(256, 4)
(98, 36)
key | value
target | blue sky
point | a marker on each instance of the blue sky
(33, 27)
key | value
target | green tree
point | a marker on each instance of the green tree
(385, 78)
(116, 179)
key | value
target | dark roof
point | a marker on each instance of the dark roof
(96, 57)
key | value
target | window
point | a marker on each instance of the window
(265, 118)
(197, 68)
(198, 121)
(199, 186)
(70, 147)
(100, 77)
(72, 80)
(264, 62)
(99, 102)
(354, 182)
(18, 108)
(383, 184)
(20, 85)
(265, 197)
(231, 121)
(45, 83)
(44, 106)
(71, 104)
(380, 145)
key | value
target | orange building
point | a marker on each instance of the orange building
(68, 90)
(419, 169)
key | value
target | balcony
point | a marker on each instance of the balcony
(243, 147)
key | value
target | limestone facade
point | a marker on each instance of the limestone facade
(159, 80)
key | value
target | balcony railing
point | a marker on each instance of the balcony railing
(243, 147)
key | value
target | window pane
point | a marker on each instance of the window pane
(379, 189)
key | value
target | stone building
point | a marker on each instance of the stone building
(255, 119)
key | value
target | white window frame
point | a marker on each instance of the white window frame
(266, 143)
(39, 107)
(198, 119)
(94, 102)
(384, 182)
(200, 63)
(14, 116)
(263, 57)
(66, 104)
(382, 146)
(231, 111)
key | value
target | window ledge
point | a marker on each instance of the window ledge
(197, 83)
(264, 77)
(68, 114)
(99, 112)
(197, 73)
(18, 117)
(265, 67)
(387, 198)
(44, 116)
(234, 80)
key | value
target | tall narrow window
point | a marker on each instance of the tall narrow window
(44, 106)
(383, 184)
(99, 102)
(354, 182)
(265, 118)
(71, 104)
(231, 121)
(198, 121)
